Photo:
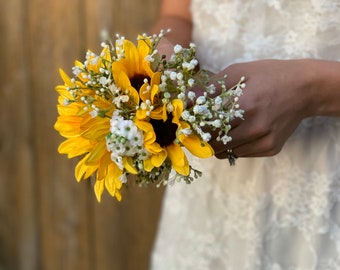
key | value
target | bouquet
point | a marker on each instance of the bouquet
(130, 111)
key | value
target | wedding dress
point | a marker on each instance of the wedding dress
(277, 213)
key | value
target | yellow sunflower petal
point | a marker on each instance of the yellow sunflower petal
(96, 128)
(158, 159)
(104, 164)
(113, 174)
(154, 148)
(105, 55)
(128, 165)
(196, 146)
(149, 134)
(141, 114)
(144, 92)
(99, 189)
(178, 159)
(124, 83)
(159, 113)
(148, 166)
(83, 170)
(143, 46)
(96, 154)
(118, 195)
(64, 94)
(156, 78)
(75, 147)
(66, 78)
(178, 109)
(131, 59)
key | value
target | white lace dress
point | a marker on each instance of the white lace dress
(277, 213)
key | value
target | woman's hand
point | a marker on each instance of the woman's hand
(277, 96)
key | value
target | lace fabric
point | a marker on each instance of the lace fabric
(276, 213)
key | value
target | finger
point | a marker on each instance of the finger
(261, 147)
(244, 134)
(240, 141)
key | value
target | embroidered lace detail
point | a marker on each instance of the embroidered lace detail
(277, 213)
(249, 30)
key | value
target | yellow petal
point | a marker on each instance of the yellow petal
(99, 189)
(128, 165)
(159, 113)
(66, 78)
(158, 159)
(156, 78)
(96, 154)
(75, 147)
(103, 165)
(144, 92)
(178, 159)
(154, 148)
(106, 55)
(118, 196)
(141, 114)
(149, 134)
(113, 174)
(196, 146)
(124, 83)
(84, 170)
(131, 59)
(96, 128)
(148, 166)
(78, 64)
(177, 112)
(61, 89)
(143, 46)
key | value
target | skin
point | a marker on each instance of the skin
(279, 94)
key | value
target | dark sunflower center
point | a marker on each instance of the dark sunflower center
(138, 80)
(165, 131)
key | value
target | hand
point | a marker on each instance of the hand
(275, 100)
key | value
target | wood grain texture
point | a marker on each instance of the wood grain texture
(47, 219)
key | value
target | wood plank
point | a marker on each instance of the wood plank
(54, 41)
(18, 226)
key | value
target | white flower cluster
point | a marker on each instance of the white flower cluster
(100, 82)
(124, 140)
(178, 75)
(214, 113)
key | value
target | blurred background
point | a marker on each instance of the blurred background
(47, 219)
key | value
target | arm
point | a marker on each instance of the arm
(174, 15)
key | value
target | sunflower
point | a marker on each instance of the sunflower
(162, 137)
(132, 72)
(85, 135)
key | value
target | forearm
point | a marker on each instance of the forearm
(176, 16)
(180, 29)
(323, 78)
(180, 33)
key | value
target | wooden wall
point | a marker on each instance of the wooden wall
(47, 219)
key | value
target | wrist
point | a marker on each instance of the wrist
(322, 84)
